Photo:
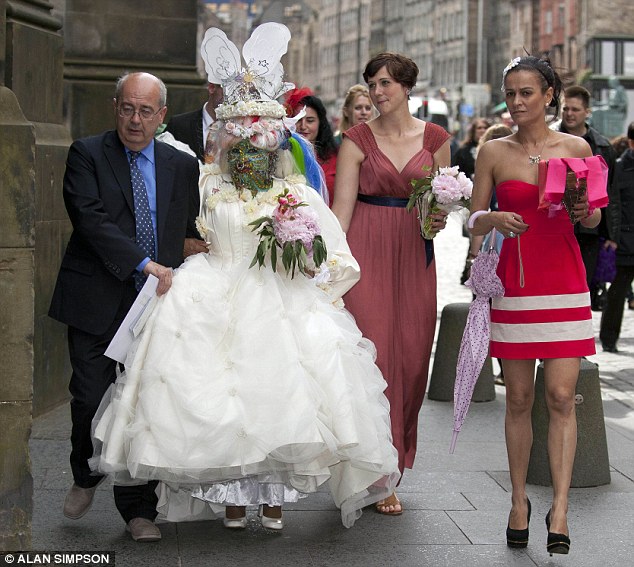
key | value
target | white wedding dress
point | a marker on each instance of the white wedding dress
(243, 378)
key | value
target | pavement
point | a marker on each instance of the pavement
(456, 506)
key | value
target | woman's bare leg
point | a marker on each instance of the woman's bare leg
(560, 380)
(519, 377)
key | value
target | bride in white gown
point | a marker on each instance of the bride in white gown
(247, 386)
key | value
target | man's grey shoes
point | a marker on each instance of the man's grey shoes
(143, 530)
(79, 500)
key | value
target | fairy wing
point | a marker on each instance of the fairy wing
(221, 56)
(262, 53)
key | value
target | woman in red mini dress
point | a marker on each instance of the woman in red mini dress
(545, 311)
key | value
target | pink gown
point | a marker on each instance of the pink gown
(394, 303)
(545, 311)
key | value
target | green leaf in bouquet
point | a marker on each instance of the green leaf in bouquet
(319, 251)
(274, 256)
(287, 256)
(258, 222)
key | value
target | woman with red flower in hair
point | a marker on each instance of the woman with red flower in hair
(314, 126)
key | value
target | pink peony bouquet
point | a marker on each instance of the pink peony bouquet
(294, 228)
(449, 189)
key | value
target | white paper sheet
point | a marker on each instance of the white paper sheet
(133, 322)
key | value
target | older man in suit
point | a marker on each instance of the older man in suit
(132, 202)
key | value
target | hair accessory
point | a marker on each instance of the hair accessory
(250, 90)
(293, 99)
(514, 63)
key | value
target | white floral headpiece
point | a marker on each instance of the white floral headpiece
(250, 90)
(514, 63)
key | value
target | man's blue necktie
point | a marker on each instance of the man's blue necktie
(143, 217)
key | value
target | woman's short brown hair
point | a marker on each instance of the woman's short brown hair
(402, 69)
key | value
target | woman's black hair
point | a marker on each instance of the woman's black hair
(325, 143)
(542, 67)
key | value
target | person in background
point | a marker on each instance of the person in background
(623, 182)
(475, 242)
(394, 303)
(357, 107)
(314, 126)
(465, 156)
(545, 311)
(132, 200)
(620, 145)
(574, 115)
(508, 121)
(193, 128)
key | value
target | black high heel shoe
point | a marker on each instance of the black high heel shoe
(556, 543)
(518, 538)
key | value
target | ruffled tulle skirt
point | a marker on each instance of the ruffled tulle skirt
(242, 373)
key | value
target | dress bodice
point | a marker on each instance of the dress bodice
(523, 198)
(226, 214)
(379, 176)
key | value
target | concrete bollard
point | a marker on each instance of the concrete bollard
(443, 376)
(592, 465)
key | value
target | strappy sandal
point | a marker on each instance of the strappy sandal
(392, 501)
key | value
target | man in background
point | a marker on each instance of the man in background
(623, 182)
(192, 128)
(575, 113)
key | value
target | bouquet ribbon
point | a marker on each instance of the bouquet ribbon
(552, 180)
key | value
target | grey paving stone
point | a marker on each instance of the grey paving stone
(456, 506)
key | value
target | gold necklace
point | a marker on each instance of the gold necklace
(534, 160)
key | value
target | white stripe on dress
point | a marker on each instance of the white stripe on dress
(542, 332)
(534, 302)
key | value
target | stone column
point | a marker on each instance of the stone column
(33, 147)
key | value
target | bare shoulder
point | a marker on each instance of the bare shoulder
(492, 149)
(572, 146)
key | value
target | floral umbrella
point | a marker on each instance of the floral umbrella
(474, 347)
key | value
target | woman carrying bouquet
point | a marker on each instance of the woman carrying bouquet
(394, 304)
(545, 311)
(248, 385)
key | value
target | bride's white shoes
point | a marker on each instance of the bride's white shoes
(268, 522)
(238, 523)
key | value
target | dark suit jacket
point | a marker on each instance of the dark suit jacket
(188, 128)
(102, 255)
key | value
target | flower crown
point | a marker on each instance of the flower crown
(250, 90)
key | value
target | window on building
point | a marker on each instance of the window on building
(628, 58)
(548, 21)
(607, 58)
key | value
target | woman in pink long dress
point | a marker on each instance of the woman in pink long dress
(545, 311)
(395, 301)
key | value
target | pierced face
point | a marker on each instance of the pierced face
(524, 96)
(250, 167)
(386, 92)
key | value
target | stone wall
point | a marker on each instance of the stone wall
(105, 39)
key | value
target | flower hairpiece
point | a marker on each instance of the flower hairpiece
(514, 63)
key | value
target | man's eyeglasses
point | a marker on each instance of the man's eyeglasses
(128, 111)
